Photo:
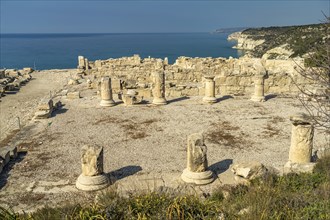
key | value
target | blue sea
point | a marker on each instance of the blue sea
(57, 51)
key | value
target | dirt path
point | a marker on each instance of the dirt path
(23, 103)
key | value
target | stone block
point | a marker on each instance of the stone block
(73, 95)
(27, 70)
(146, 93)
(5, 155)
(45, 104)
(290, 167)
(249, 170)
(12, 151)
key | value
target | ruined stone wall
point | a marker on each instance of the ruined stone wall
(185, 76)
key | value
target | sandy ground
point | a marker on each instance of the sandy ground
(144, 145)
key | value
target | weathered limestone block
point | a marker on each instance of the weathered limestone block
(258, 89)
(209, 90)
(73, 82)
(81, 62)
(158, 88)
(92, 177)
(130, 98)
(5, 155)
(249, 170)
(146, 93)
(323, 152)
(116, 85)
(300, 153)
(197, 168)
(86, 64)
(106, 92)
(45, 109)
(27, 70)
(301, 139)
(165, 61)
(73, 95)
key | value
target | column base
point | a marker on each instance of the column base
(107, 103)
(92, 183)
(258, 98)
(200, 178)
(159, 101)
(209, 99)
(291, 167)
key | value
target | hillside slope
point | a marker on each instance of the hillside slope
(282, 42)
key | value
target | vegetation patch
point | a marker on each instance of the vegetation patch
(224, 133)
(292, 196)
(300, 39)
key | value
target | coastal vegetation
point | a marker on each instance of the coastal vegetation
(299, 39)
(291, 196)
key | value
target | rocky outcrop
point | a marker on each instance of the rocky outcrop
(281, 52)
(244, 42)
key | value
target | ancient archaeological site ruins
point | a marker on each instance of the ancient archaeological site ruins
(133, 124)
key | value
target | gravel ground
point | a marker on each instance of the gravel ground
(142, 141)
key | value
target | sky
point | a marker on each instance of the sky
(154, 16)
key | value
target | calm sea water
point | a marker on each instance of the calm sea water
(50, 51)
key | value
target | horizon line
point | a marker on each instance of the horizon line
(109, 32)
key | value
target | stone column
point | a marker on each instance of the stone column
(165, 61)
(92, 177)
(209, 90)
(81, 62)
(86, 64)
(258, 88)
(106, 92)
(301, 139)
(197, 169)
(158, 90)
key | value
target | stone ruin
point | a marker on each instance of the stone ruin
(6, 154)
(130, 97)
(92, 177)
(197, 168)
(45, 109)
(106, 92)
(259, 95)
(158, 90)
(300, 154)
(12, 79)
(185, 77)
(209, 90)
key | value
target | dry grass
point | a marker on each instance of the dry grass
(133, 129)
(270, 131)
(28, 198)
(224, 133)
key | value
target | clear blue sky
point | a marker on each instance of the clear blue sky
(91, 16)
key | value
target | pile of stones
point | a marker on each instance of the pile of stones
(12, 80)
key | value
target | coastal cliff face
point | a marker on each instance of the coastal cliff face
(185, 76)
(244, 42)
(282, 42)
